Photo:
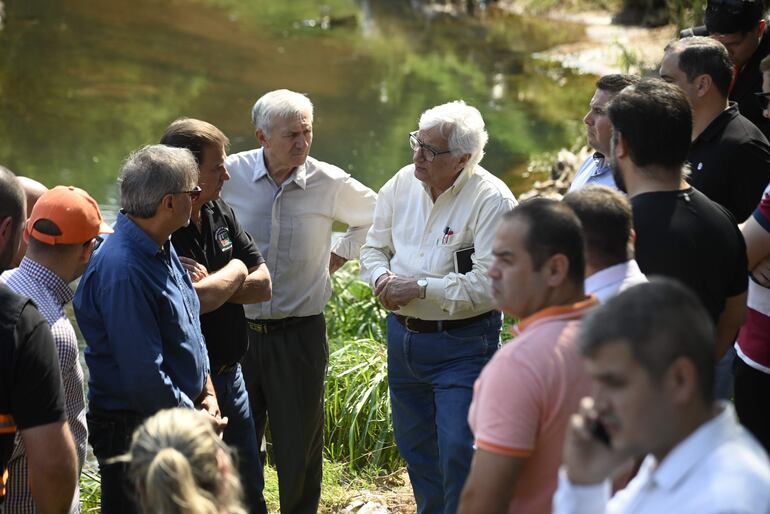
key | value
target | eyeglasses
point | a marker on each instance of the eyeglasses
(428, 151)
(194, 193)
(764, 98)
(96, 242)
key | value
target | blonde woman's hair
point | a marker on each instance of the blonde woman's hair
(180, 466)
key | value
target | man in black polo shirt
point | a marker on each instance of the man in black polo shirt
(740, 26)
(729, 157)
(680, 233)
(31, 393)
(227, 271)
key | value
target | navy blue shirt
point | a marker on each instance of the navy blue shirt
(139, 315)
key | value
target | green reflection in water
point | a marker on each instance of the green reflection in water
(84, 82)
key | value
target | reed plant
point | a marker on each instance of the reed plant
(359, 431)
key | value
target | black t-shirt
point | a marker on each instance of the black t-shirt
(730, 163)
(684, 235)
(31, 392)
(749, 81)
(221, 239)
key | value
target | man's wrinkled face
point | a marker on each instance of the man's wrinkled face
(288, 144)
(441, 172)
(598, 126)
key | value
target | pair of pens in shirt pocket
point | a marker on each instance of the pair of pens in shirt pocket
(447, 237)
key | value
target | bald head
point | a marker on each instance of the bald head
(33, 190)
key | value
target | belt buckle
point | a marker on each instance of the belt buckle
(406, 324)
(259, 328)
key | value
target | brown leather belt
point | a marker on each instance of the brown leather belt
(427, 326)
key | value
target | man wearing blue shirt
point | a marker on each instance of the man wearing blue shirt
(139, 315)
(596, 169)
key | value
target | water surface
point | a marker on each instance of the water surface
(84, 82)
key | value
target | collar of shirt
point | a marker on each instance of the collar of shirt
(685, 457)
(298, 176)
(457, 185)
(717, 125)
(133, 232)
(611, 275)
(60, 290)
(573, 310)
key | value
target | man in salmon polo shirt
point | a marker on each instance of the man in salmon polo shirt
(524, 397)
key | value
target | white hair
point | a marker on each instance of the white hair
(462, 126)
(281, 103)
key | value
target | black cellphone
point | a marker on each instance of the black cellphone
(599, 431)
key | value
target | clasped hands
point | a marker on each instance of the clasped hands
(395, 291)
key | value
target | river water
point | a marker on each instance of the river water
(84, 82)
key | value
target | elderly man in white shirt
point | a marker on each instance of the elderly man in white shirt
(608, 228)
(650, 353)
(426, 258)
(288, 201)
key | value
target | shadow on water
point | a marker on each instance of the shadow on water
(83, 82)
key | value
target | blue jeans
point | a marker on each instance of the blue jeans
(240, 435)
(431, 378)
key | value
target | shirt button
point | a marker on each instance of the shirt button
(421, 254)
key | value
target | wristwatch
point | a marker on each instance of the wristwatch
(423, 285)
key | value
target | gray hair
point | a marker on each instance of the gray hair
(462, 126)
(281, 103)
(151, 173)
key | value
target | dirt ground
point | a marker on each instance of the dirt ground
(611, 48)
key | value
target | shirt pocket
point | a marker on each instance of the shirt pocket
(442, 257)
(310, 235)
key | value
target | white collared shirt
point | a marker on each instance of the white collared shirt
(413, 236)
(719, 469)
(292, 226)
(606, 283)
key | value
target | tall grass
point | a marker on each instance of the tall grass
(357, 411)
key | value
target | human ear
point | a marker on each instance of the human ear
(682, 381)
(557, 268)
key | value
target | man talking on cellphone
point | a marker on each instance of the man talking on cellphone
(650, 354)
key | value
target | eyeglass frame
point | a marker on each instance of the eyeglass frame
(431, 153)
(195, 193)
(96, 241)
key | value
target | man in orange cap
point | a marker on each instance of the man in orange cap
(62, 232)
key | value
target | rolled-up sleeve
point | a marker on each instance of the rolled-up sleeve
(354, 205)
(378, 248)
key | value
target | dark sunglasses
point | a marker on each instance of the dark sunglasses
(96, 241)
(194, 193)
(763, 99)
